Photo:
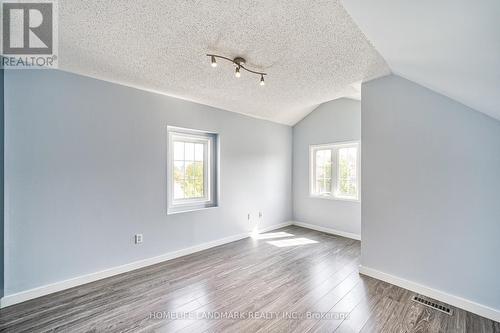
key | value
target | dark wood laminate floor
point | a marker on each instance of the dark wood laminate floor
(289, 280)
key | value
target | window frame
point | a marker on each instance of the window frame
(210, 170)
(335, 177)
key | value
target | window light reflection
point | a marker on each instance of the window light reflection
(292, 242)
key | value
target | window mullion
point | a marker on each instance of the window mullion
(206, 166)
(335, 169)
(312, 188)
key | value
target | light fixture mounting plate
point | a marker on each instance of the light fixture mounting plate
(239, 61)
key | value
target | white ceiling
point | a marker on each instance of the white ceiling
(450, 46)
(312, 51)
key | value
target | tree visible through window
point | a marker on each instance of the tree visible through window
(188, 170)
(192, 170)
(324, 171)
(348, 181)
(334, 171)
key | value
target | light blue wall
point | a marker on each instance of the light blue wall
(335, 121)
(86, 170)
(430, 190)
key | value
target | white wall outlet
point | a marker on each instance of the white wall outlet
(260, 215)
(248, 216)
(138, 238)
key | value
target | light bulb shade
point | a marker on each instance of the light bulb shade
(213, 62)
(237, 72)
(262, 80)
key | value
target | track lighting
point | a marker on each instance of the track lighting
(239, 62)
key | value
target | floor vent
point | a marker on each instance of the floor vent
(433, 305)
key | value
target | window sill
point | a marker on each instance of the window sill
(180, 210)
(333, 198)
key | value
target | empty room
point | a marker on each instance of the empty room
(250, 166)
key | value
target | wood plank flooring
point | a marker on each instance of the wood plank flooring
(287, 280)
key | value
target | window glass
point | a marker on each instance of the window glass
(323, 171)
(188, 172)
(334, 171)
(347, 172)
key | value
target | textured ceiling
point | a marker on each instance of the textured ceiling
(450, 46)
(312, 51)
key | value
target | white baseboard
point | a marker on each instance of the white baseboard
(276, 226)
(459, 302)
(327, 230)
(23, 296)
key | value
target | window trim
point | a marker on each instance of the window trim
(211, 171)
(334, 147)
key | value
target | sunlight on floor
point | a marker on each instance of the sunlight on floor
(292, 242)
(271, 235)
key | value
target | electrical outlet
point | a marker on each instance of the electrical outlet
(248, 216)
(260, 215)
(138, 238)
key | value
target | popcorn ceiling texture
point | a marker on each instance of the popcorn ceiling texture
(312, 51)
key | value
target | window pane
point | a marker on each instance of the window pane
(198, 152)
(328, 186)
(323, 186)
(189, 151)
(189, 188)
(323, 157)
(347, 172)
(179, 180)
(198, 170)
(198, 175)
(188, 170)
(320, 172)
(323, 163)
(198, 188)
(324, 171)
(193, 185)
(178, 150)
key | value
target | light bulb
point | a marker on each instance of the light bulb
(262, 80)
(213, 62)
(237, 72)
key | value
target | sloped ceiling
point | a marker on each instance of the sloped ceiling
(450, 46)
(312, 51)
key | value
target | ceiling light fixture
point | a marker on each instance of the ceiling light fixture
(239, 62)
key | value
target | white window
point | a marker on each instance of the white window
(192, 170)
(334, 171)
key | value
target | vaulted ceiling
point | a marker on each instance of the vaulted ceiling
(450, 46)
(312, 51)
